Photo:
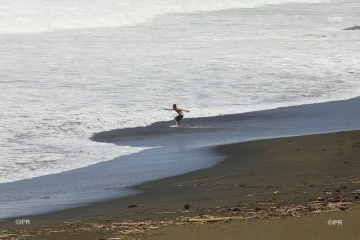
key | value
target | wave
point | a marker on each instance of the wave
(24, 16)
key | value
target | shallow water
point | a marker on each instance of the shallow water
(174, 152)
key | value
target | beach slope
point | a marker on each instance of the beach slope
(271, 188)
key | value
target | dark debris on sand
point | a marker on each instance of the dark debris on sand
(330, 200)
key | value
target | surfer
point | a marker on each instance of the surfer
(179, 111)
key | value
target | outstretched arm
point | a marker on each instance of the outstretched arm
(184, 110)
(168, 109)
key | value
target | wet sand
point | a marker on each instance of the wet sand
(174, 151)
(256, 183)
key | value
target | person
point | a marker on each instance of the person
(179, 111)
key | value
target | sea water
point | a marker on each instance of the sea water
(69, 69)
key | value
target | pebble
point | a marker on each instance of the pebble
(356, 192)
(343, 208)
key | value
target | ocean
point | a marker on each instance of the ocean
(70, 69)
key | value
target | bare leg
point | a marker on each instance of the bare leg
(176, 122)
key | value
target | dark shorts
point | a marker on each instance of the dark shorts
(178, 118)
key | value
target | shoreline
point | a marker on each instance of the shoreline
(183, 150)
(255, 120)
(299, 168)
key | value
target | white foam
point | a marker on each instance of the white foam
(59, 88)
(23, 16)
(50, 155)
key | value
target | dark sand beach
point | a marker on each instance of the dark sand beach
(173, 152)
(265, 189)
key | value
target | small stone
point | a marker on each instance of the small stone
(332, 205)
(343, 208)
(132, 206)
(346, 162)
(186, 206)
(235, 209)
(323, 150)
(277, 192)
(320, 199)
(343, 187)
(356, 192)
(356, 197)
(328, 192)
(258, 209)
(46, 197)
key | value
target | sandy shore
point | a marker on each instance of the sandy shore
(314, 227)
(274, 188)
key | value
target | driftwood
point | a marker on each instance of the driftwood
(128, 224)
(209, 219)
(214, 219)
(270, 209)
(6, 235)
(57, 231)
